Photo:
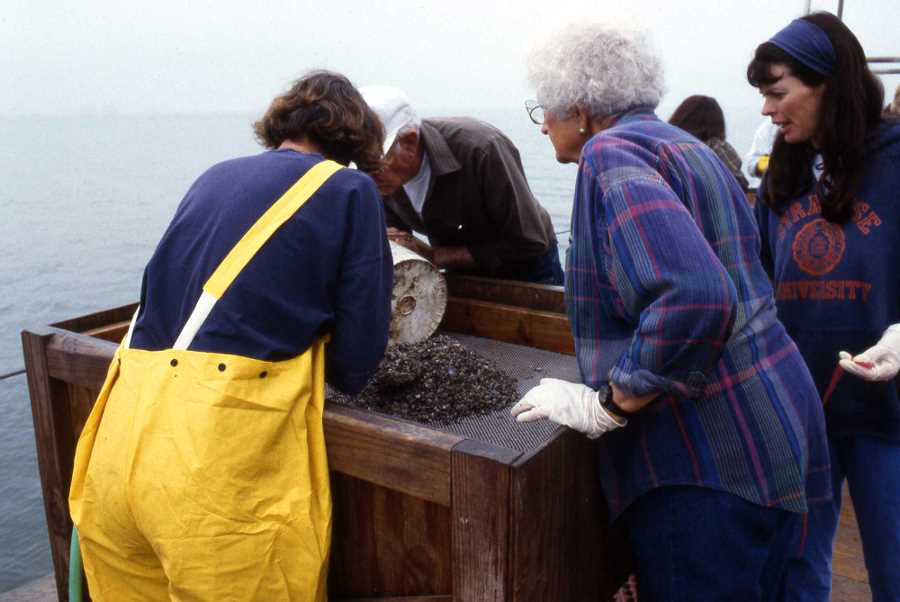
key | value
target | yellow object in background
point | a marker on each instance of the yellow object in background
(762, 165)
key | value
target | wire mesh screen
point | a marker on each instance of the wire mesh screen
(527, 366)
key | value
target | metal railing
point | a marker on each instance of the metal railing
(11, 374)
(885, 59)
(840, 8)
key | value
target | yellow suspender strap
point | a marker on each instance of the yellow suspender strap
(289, 203)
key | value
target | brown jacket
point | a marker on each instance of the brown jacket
(478, 197)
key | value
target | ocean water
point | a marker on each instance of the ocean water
(83, 202)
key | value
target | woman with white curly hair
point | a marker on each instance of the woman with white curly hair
(711, 432)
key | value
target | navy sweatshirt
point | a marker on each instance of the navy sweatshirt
(327, 270)
(838, 287)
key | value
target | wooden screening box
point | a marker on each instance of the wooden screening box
(420, 515)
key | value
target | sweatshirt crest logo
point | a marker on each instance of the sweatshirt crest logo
(819, 247)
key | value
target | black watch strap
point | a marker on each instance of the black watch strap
(606, 400)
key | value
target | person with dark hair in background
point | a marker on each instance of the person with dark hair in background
(829, 216)
(702, 117)
(710, 433)
(201, 473)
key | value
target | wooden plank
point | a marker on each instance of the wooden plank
(98, 319)
(114, 332)
(565, 555)
(78, 359)
(81, 401)
(55, 451)
(353, 568)
(606, 546)
(540, 329)
(544, 297)
(540, 560)
(386, 543)
(423, 530)
(393, 453)
(480, 521)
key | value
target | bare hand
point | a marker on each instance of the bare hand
(416, 246)
(398, 236)
(407, 240)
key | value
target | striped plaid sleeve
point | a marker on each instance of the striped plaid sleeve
(670, 282)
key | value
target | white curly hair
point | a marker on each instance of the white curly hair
(603, 69)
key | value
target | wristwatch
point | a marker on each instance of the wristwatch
(606, 400)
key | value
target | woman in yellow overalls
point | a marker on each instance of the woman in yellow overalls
(201, 473)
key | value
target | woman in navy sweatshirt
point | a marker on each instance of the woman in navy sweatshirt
(829, 216)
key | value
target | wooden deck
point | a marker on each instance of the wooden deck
(850, 582)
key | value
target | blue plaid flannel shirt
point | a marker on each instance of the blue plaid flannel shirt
(666, 292)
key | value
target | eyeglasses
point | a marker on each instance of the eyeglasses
(535, 111)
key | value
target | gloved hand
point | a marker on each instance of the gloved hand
(879, 362)
(571, 404)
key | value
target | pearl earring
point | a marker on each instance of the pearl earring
(582, 131)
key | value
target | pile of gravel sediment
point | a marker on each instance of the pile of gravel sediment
(437, 381)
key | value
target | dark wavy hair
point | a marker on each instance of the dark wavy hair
(326, 108)
(852, 103)
(701, 116)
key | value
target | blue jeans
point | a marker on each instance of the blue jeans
(871, 467)
(693, 543)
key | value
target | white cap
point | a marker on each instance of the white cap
(393, 109)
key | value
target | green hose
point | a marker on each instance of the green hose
(74, 568)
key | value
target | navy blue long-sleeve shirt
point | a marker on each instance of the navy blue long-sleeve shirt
(327, 270)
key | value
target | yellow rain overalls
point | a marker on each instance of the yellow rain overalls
(203, 476)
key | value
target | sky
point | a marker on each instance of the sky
(95, 56)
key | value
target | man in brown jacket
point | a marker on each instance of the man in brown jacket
(460, 182)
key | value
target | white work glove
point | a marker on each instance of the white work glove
(571, 404)
(879, 362)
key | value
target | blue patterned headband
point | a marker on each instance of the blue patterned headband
(808, 44)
